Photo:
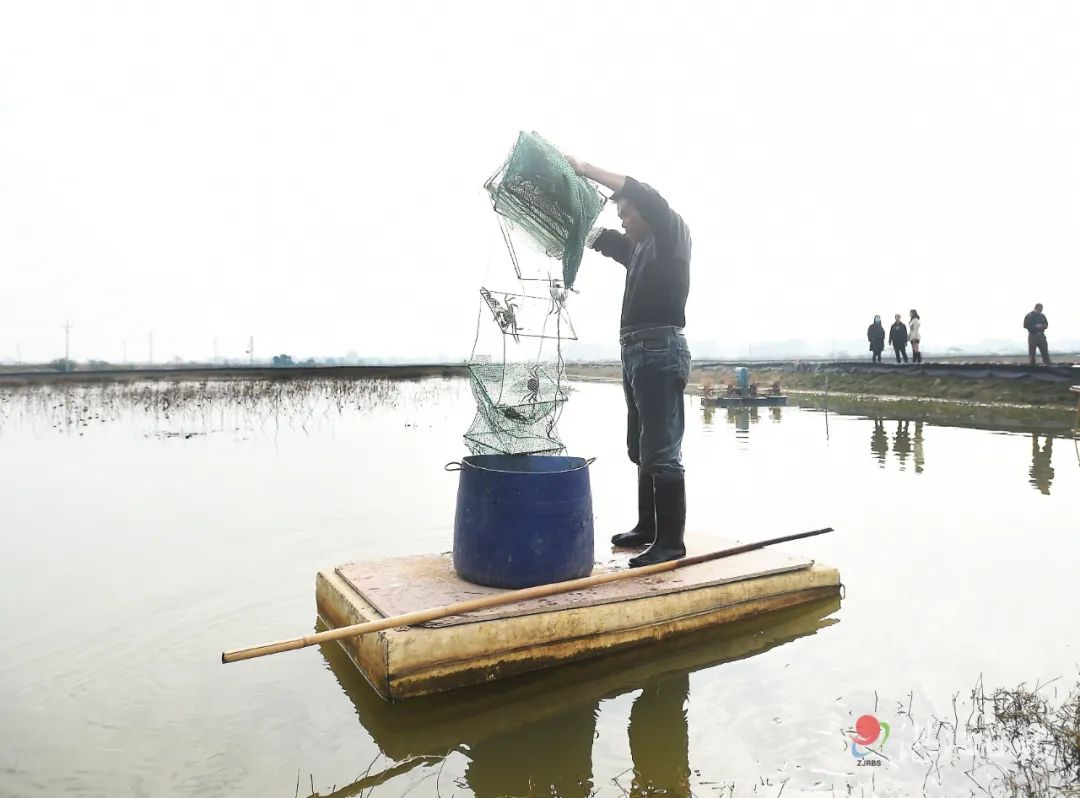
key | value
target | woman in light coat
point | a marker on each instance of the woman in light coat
(914, 337)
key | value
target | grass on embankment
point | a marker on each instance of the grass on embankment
(1034, 393)
(963, 389)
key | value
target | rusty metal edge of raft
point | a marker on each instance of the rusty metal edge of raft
(509, 597)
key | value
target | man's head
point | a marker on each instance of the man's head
(877, 319)
(897, 317)
(1038, 307)
(632, 222)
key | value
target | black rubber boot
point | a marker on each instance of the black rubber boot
(645, 532)
(670, 525)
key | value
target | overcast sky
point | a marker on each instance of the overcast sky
(310, 173)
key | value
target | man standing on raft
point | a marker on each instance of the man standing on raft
(655, 249)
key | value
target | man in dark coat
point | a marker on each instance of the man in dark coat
(875, 334)
(655, 249)
(898, 338)
(1035, 323)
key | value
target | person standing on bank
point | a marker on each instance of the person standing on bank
(1035, 323)
(655, 249)
(875, 334)
(898, 338)
(914, 337)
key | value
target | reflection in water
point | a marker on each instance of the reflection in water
(902, 443)
(187, 408)
(659, 738)
(906, 442)
(514, 764)
(533, 735)
(1041, 473)
(709, 410)
(879, 441)
(742, 418)
(511, 764)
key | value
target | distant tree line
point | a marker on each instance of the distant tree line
(279, 361)
(286, 360)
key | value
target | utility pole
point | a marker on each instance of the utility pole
(151, 363)
(67, 340)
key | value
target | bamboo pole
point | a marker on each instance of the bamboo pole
(498, 600)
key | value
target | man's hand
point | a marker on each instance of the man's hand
(613, 181)
(576, 165)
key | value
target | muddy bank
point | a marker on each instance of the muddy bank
(1016, 390)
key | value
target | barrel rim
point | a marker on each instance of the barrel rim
(580, 463)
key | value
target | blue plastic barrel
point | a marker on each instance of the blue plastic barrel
(742, 378)
(523, 520)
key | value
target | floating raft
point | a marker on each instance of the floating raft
(765, 400)
(498, 642)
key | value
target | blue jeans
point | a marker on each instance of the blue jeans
(655, 367)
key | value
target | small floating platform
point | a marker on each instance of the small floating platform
(765, 400)
(498, 642)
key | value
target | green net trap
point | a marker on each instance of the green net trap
(517, 407)
(537, 193)
(523, 316)
(519, 381)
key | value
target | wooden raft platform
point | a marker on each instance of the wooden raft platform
(503, 641)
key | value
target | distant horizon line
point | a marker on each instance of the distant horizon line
(335, 361)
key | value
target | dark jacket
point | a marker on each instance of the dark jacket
(898, 334)
(1032, 319)
(875, 334)
(658, 268)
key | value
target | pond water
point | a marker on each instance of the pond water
(146, 528)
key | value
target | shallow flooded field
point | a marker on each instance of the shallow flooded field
(148, 527)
